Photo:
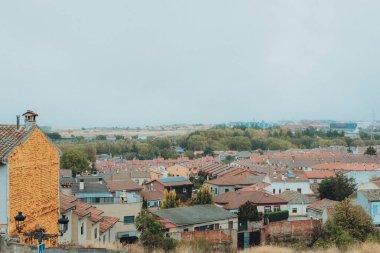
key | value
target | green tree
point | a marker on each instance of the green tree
(248, 211)
(101, 137)
(74, 159)
(353, 219)
(152, 232)
(370, 151)
(337, 188)
(54, 136)
(170, 200)
(204, 197)
(349, 224)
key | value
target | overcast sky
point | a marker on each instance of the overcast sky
(137, 63)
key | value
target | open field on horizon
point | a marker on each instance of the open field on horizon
(157, 131)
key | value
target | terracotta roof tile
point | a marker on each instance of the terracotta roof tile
(315, 174)
(107, 223)
(10, 137)
(233, 200)
(322, 204)
(119, 185)
(152, 195)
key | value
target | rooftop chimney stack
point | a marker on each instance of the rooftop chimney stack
(17, 122)
(29, 118)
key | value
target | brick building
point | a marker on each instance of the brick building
(29, 178)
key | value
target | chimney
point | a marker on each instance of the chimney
(29, 118)
(17, 122)
(81, 184)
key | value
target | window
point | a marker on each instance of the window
(230, 225)
(274, 191)
(104, 239)
(299, 190)
(287, 189)
(294, 210)
(129, 219)
(277, 208)
(267, 209)
(96, 233)
(226, 190)
(186, 230)
(97, 200)
(315, 181)
(279, 190)
(184, 189)
(217, 226)
(82, 229)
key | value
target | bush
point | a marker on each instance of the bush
(169, 244)
(277, 216)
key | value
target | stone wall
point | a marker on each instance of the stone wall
(34, 185)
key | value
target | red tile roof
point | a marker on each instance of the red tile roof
(152, 195)
(235, 180)
(81, 209)
(316, 174)
(233, 200)
(107, 223)
(347, 166)
(119, 185)
(322, 204)
(10, 137)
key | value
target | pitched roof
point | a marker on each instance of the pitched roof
(119, 185)
(322, 204)
(152, 195)
(107, 223)
(10, 137)
(294, 197)
(183, 216)
(347, 166)
(90, 187)
(173, 181)
(80, 208)
(260, 186)
(319, 174)
(371, 194)
(236, 180)
(233, 200)
(288, 176)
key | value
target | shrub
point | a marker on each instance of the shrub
(277, 216)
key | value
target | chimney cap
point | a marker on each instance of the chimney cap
(30, 113)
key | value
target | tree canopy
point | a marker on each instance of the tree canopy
(203, 197)
(370, 151)
(350, 223)
(337, 188)
(76, 160)
(152, 232)
(170, 200)
(248, 211)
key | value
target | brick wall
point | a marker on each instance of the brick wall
(290, 230)
(34, 184)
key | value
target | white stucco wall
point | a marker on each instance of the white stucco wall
(3, 198)
(292, 186)
(67, 237)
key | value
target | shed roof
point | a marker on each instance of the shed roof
(183, 216)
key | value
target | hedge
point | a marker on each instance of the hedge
(277, 216)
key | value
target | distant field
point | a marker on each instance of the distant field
(147, 131)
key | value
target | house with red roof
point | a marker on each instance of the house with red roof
(265, 202)
(87, 224)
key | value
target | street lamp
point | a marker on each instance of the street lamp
(20, 218)
(39, 233)
(63, 224)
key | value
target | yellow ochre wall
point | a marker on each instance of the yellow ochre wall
(34, 185)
